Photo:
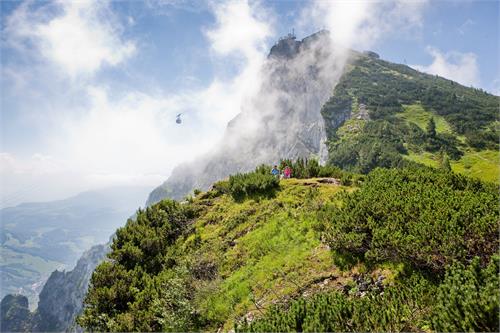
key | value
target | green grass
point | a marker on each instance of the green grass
(483, 165)
(237, 258)
(424, 158)
(415, 113)
(274, 251)
(35, 263)
(351, 128)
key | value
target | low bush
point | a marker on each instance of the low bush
(379, 145)
(310, 168)
(399, 308)
(467, 300)
(426, 217)
(140, 288)
(252, 184)
(346, 180)
(330, 171)
(221, 187)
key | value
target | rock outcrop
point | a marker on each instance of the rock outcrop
(62, 296)
(15, 315)
(60, 301)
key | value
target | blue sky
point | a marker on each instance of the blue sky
(90, 89)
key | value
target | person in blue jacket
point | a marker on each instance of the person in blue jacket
(275, 171)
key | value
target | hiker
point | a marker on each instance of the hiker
(275, 171)
(287, 173)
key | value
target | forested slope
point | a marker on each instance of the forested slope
(397, 114)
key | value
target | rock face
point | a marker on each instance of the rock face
(60, 301)
(371, 54)
(286, 47)
(62, 296)
(283, 120)
(15, 314)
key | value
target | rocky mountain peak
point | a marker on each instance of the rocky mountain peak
(288, 46)
(283, 120)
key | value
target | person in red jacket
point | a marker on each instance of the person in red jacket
(287, 173)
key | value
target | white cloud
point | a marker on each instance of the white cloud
(39, 164)
(453, 65)
(238, 37)
(361, 24)
(132, 134)
(8, 163)
(99, 136)
(137, 133)
(82, 38)
(240, 28)
(30, 178)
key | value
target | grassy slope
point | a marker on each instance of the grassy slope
(266, 250)
(235, 259)
(416, 114)
(393, 92)
(482, 164)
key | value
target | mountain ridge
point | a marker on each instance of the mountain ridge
(349, 252)
(363, 71)
(60, 300)
(282, 121)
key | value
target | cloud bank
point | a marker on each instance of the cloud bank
(456, 66)
(99, 136)
(361, 24)
(82, 38)
(96, 134)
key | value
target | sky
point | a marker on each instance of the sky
(90, 89)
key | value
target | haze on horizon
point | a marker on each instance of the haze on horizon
(90, 89)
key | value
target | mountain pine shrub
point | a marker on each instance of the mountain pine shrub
(252, 184)
(426, 217)
(402, 307)
(467, 300)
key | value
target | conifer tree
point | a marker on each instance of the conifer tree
(431, 128)
(445, 164)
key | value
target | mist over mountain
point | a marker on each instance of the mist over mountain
(282, 120)
(297, 113)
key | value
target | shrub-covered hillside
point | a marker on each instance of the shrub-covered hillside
(396, 114)
(402, 250)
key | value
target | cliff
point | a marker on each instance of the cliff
(60, 300)
(282, 121)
